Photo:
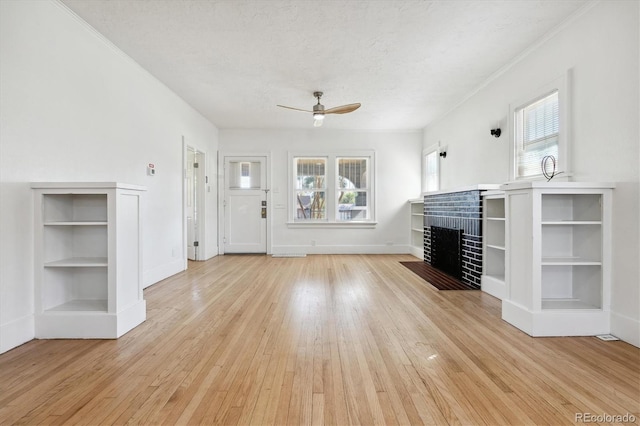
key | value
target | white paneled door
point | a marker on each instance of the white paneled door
(245, 205)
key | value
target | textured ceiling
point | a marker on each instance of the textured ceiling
(408, 62)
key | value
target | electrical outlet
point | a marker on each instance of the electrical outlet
(313, 242)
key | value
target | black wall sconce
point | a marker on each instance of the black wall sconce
(496, 132)
(443, 154)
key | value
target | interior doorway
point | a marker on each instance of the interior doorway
(194, 202)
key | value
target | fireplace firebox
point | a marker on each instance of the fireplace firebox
(446, 250)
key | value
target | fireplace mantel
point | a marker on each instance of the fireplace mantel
(477, 187)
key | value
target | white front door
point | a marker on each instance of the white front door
(245, 205)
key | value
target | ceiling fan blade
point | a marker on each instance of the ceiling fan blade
(342, 109)
(295, 109)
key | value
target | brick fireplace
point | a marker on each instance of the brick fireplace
(460, 211)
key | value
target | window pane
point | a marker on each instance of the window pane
(541, 119)
(352, 178)
(431, 172)
(353, 205)
(311, 205)
(244, 175)
(310, 195)
(353, 173)
(310, 173)
(530, 159)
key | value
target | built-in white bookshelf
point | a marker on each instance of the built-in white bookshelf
(494, 243)
(558, 274)
(88, 272)
(417, 227)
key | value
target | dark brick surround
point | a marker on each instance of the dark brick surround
(458, 210)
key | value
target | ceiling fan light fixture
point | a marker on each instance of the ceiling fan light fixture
(319, 111)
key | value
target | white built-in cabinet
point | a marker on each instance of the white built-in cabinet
(88, 261)
(494, 244)
(558, 257)
(417, 227)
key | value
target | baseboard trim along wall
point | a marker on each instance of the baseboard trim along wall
(158, 274)
(625, 328)
(16, 332)
(342, 249)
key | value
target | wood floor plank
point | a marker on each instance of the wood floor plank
(326, 339)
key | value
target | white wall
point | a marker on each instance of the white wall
(397, 180)
(601, 46)
(74, 108)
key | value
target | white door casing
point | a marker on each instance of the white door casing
(190, 206)
(194, 203)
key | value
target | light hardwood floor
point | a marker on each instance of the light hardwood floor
(317, 340)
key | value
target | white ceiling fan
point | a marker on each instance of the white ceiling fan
(319, 112)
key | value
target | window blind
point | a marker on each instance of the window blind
(538, 127)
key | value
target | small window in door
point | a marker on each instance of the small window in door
(245, 178)
(244, 175)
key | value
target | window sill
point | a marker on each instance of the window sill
(559, 177)
(325, 225)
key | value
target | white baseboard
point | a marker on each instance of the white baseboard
(161, 272)
(417, 252)
(212, 253)
(16, 332)
(547, 323)
(517, 315)
(131, 317)
(493, 286)
(342, 249)
(89, 325)
(625, 328)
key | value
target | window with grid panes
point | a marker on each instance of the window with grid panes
(333, 188)
(352, 191)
